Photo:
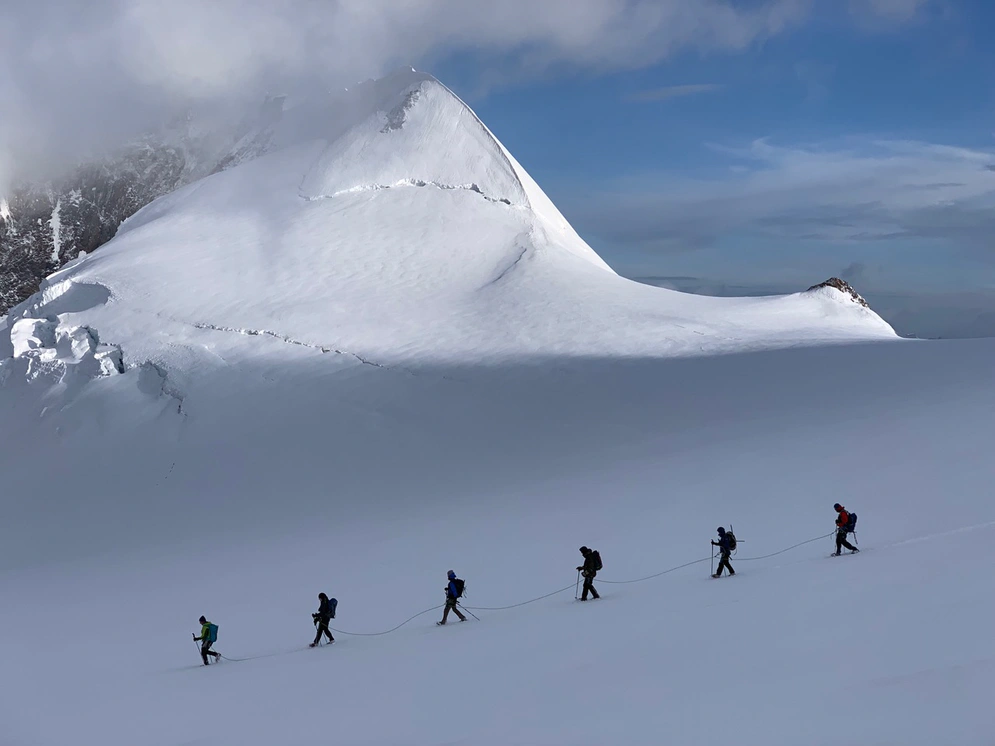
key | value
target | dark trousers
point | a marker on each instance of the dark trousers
(205, 650)
(451, 606)
(323, 630)
(589, 587)
(724, 564)
(842, 542)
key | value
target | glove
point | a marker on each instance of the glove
(193, 636)
(580, 568)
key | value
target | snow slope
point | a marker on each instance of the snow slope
(370, 484)
(349, 366)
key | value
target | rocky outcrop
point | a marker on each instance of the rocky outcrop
(844, 287)
(44, 225)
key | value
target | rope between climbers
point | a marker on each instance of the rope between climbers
(515, 606)
(793, 546)
(656, 575)
(392, 629)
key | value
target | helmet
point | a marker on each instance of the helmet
(451, 574)
(202, 620)
(721, 530)
(584, 550)
(837, 507)
(322, 595)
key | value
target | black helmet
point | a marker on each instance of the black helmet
(322, 595)
(721, 530)
(837, 507)
(584, 550)
(202, 620)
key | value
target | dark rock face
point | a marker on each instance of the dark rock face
(45, 225)
(844, 287)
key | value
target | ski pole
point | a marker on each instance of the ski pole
(469, 612)
(712, 563)
(577, 587)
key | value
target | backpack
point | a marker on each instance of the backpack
(731, 538)
(212, 633)
(332, 604)
(460, 586)
(596, 556)
(851, 524)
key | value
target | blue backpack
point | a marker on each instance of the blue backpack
(333, 604)
(212, 633)
(851, 524)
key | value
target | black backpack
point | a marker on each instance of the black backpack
(460, 587)
(851, 524)
(332, 605)
(596, 557)
(731, 538)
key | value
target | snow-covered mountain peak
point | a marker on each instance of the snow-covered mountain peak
(416, 133)
(390, 226)
(410, 130)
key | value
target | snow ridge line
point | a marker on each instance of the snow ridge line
(505, 155)
(402, 184)
(507, 270)
(289, 340)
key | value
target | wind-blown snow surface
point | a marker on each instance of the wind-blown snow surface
(350, 367)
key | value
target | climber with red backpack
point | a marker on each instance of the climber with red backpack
(846, 523)
(592, 564)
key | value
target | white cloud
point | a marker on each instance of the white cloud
(871, 190)
(900, 11)
(71, 72)
(672, 91)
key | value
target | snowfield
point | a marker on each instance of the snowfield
(379, 353)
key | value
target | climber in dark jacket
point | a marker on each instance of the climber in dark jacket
(453, 593)
(326, 613)
(725, 547)
(589, 570)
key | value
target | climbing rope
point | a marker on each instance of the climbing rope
(392, 629)
(656, 575)
(515, 606)
(793, 546)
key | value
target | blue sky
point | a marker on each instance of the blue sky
(860, 139)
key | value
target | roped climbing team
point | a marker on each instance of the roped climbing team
(846, 523)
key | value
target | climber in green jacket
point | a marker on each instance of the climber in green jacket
(208, 636)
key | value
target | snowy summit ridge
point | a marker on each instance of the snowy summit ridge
(389, 225)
